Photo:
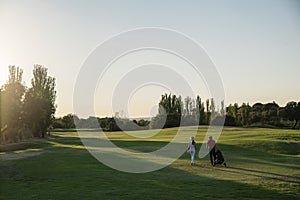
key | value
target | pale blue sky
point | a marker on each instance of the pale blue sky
(254, 44)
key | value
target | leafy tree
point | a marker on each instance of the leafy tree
(244, 111)
(39, 102)
(232, 115)
(58, 123)
(68, 121)
(187, 105)
(256, 113)
(200, 110)
(169, 109)
(170, 104)
(191, 112)
(11, 103)
(142, 123)
(212, 108)
(229, 121)
(202, 114)
(292, 112)
(269, 113)
(222, 111)
(208, 113)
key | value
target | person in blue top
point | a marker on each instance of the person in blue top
(192, 149)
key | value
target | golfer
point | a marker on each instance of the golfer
(192, 150)
(211, 145)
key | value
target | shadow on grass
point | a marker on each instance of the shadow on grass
(236, 154)
(250, 156)
(261, 174)
(232, 153)
(77, 175)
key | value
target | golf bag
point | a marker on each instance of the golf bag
(219, 158)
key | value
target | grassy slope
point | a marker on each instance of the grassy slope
(263, 164)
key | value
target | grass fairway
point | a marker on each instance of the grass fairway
(262, 164)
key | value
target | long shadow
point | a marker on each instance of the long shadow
(261, 174)
(263, 161)
(101, 182)
(143, 146)
(231, 152)
(240, 154)
(245, 155)
(235, 153)
(161, 184)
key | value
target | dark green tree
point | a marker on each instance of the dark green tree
(39, 102)
(212, 108)
(232, 115)
(269, 113)
(244, 112)
(208, 113)
(169, 110)
(256, 113)
(68, 121)
(188, 106)
(222, 111)
(11, 105)
(292, 112)
(200, 110)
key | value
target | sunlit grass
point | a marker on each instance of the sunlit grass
(262, 164)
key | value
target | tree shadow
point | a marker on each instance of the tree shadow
(245, 155)
(261, 174)
(167, 183)
(265, 159)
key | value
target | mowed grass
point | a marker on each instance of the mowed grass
(262, 164)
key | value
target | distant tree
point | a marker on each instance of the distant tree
(68, 121)
(229, 121)
(292, 112)
(92, 122)
(232, 115)
(111, 125)
(170, 104)
(200, 110)
(258, 107)
(244, 112)
(212, 108)
(202, 114)
(39, 102)
(11, 103)
(58, 123)
(191, 112)
(256, 113)
(270, 112)
(142, 123)
(235, 110)
(170, 108)
(222, 111)
(187, 105)
(208, 113)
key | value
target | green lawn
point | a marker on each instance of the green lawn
(262, 164)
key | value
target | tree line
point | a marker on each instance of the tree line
(26, 112)
(264, 114)
(29, 112)
(114, 123)
(175, 111)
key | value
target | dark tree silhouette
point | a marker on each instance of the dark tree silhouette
(39, 102)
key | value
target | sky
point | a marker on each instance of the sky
(255, 45)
